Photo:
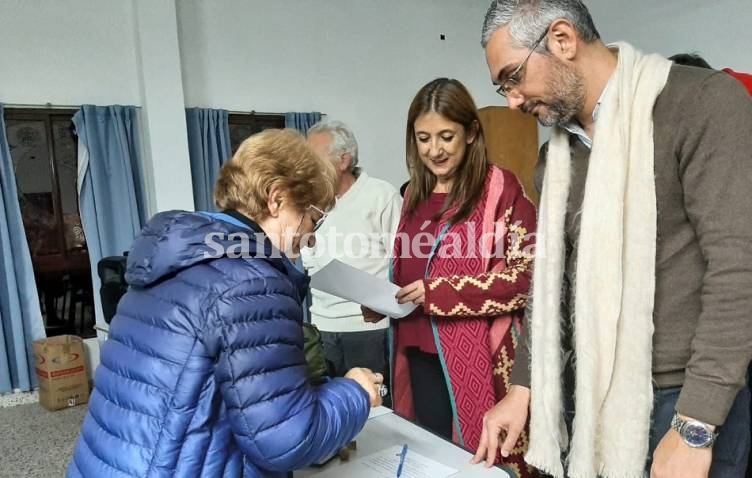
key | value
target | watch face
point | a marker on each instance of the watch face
(696, 435)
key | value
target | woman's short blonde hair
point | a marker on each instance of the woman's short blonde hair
(275, 158)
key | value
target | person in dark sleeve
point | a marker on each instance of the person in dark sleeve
(693, 59)
(645, 216)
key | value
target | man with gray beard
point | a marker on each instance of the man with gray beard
(639, 331)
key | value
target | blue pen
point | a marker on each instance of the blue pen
(403, 453)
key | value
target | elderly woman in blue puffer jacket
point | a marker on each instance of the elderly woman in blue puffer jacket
(203, 374)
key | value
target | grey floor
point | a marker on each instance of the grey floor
(37, 443)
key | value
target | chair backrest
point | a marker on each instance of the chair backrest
(111, 271)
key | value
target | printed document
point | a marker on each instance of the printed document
(343, 280)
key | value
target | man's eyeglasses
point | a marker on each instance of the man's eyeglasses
(317, 223)
(514, 80)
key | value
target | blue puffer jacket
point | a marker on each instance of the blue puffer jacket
(203, 374)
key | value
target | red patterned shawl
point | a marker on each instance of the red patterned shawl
(475, 304)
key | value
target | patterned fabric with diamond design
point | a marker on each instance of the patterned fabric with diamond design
(476, 303)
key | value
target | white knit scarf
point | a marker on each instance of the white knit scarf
(614, 287)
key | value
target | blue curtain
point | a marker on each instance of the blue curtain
(302, 121)
(209, 147)
(20, 315)
(110, 190)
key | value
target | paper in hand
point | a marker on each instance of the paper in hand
(347, 282)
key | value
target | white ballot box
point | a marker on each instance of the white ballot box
(377, 454)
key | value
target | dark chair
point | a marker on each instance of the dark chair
(111, 272)
(53, 303)
(78, 302)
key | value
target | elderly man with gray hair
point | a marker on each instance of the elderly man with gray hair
(359, 231)
(640, 330)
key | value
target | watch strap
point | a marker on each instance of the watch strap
(679, 424)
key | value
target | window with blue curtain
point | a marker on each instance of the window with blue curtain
(44, 150)
(20, 314)
(244, 125)
(111, 193)
(302, 121)
(209, 148)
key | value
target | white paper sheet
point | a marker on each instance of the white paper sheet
(384, 465)
(343, 280)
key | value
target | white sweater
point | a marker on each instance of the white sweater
(359, 231)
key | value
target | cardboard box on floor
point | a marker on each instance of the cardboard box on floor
(61, 371)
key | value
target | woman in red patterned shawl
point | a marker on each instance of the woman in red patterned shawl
(463, 254)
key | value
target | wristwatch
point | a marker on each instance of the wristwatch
(694, 433)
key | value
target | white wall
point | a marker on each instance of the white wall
(718, 30)
(164, 138)
(361, 61)
(358, 61)
(67, 52)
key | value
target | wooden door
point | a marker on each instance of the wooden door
(512, 143)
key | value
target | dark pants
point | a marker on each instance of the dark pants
(731, 448)
(346, 350)
(433, 409)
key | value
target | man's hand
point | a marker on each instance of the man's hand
(675, 459)
(414, 292)
(508, 416)
(371, 316)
